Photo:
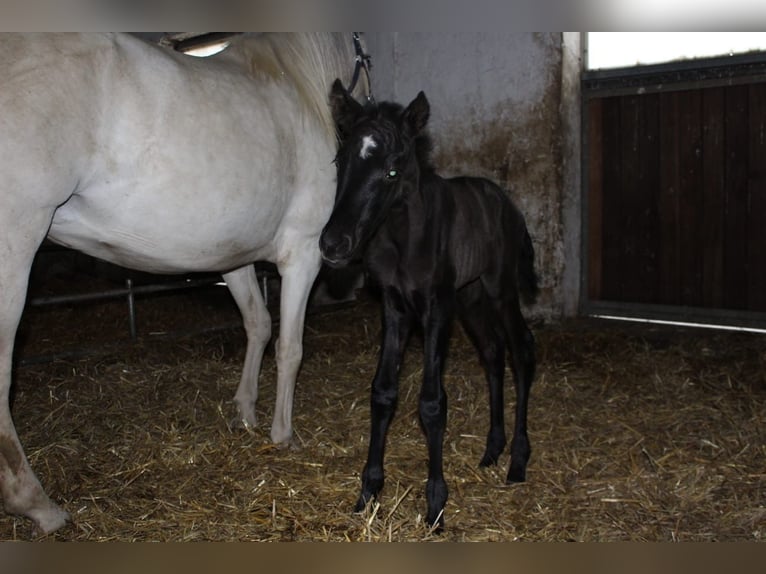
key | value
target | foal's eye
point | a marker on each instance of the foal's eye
(392, 174)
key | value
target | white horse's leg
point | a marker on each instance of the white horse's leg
(243, 285)
(298, 276)
(21, 491)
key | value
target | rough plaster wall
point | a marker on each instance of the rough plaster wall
(571, 207)
(495, 112)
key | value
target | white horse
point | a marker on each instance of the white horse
(167, 163)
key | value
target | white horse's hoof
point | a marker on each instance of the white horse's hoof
(291, 445)
(282, 439)
(243, 420)
(239, 424)
(48, 520)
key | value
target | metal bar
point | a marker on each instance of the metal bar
(700, 315)
(131, 308)
(108, 347)
(121, 292)
(130, 291)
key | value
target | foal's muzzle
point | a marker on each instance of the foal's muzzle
(336, 248)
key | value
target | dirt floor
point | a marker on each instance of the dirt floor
(638, 433)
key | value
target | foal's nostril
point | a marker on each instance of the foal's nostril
(335, 248)
(345, 245)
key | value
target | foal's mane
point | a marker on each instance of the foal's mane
(423, 147)
(392, 112)
(310, 62)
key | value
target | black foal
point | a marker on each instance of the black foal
(435, 247)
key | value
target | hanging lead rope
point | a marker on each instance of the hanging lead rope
(363, 61)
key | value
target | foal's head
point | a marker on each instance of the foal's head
(377, 166)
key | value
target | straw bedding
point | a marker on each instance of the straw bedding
(638, 433)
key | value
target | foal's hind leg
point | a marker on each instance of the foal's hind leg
(243, 285)
(522, 344)
(481, 325)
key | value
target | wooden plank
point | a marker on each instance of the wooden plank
(668, 202)
(612, 235)
(595, 197)
(639, 192)
(736, 198)
(713, 197)
(756, 216)
(630, 201)
(690, 196)
(649, 181)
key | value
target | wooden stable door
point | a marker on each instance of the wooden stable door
(676, 202)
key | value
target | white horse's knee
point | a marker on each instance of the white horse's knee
(259, 331)
(289, 355)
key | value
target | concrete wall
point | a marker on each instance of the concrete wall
(506, 107)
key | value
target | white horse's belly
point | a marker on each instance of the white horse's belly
(156, 232)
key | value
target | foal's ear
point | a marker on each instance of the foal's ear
(416, 115)
(345, 108)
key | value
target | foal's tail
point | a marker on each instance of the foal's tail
(528, 287)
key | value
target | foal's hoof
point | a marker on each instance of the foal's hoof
(362, 503)
(493, 451)
(436, 523)
(488, 460)
(516, 475)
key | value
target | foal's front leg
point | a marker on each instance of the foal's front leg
(433, 402)
(385, 390)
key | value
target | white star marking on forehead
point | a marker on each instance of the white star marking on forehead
(368, 144)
